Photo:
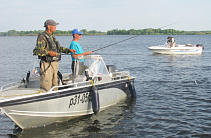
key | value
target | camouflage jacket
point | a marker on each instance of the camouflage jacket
(42, 46)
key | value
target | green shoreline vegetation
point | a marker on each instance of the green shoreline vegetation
(148, 31)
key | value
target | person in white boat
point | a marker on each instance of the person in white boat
(171, 41)
(48, 50)
(77, 47)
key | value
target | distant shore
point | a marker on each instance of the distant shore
(148, 31)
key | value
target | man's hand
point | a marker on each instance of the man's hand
(73, 50)
(51, 53)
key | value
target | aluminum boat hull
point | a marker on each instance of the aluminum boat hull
(45, 108)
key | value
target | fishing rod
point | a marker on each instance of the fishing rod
(123, 40)
(107, 54)
(128, 39)
(170, 24)
(116, 54)
(114, 43)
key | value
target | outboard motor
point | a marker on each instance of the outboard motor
(200, 45)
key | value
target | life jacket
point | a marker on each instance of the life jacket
(53, 46)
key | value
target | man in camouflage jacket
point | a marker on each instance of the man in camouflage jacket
(48, 50)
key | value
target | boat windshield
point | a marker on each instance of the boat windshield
(90, 66)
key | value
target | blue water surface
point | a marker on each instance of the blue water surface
(173, 91)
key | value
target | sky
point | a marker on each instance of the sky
(104, 15)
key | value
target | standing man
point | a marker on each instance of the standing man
(48, 50)
(76, 46)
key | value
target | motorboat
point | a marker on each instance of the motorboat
(177, 49)
(93, 87)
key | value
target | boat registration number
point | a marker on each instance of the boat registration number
(80, 98)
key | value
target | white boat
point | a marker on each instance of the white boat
(93, 88)
(177, 49)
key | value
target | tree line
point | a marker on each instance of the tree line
(149, 31)
(57, 33)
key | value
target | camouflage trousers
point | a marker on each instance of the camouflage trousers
(49, 78)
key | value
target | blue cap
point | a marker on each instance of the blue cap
(76, 31)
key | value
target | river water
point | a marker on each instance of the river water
(173, 91)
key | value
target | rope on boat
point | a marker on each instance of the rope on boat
(92, 83)
(128, 77)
